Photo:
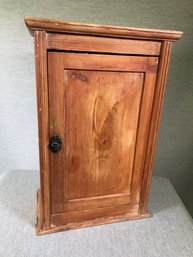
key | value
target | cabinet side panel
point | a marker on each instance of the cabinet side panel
(43, 129)
(154, 124)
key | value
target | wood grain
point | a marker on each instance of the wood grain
(100, 110)
(43, 124)
(92, 214)
(85, 61)
(85, 203)
(155, 120)
(106, 108)
(57, 127)
(98, 106)
(100, 30)
(143, 127)
(102, 45)
(88, 223)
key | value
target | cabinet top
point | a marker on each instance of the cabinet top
(61, 26)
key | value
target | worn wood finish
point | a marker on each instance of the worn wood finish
(155, 120)
(43, 128)
(97, 202)
(99, 115)
(143, 129)
(93, 213)
(100, 30)
(102, 45)
(95, 222)
(57, 126)
(104, 99)
(108, 62)
(98, 105)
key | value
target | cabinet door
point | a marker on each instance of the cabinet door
(100, 105)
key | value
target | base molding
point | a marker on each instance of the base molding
(83, 224)
(39, 220)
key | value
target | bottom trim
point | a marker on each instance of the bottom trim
(83, 224)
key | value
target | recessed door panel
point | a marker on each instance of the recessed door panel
(102, 110)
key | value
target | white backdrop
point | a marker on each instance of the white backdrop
(18, 119)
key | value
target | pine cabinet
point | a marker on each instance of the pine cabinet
(100, 91)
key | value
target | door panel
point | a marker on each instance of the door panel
(100, 109)
(95, 106)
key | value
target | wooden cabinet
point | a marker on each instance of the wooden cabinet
(100, 91)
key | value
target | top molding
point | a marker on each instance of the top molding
(61, 26)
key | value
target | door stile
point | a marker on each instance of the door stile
(143, 126)
(43, 221)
